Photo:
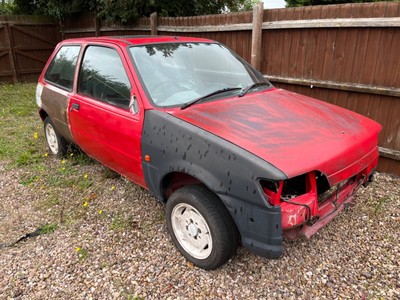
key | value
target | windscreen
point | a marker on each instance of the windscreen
(177, 73)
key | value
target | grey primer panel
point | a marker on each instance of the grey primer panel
(228, 170)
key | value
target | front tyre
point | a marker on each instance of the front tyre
(201, 227)
(56, 143)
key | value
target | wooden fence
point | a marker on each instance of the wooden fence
(347, 55)
(343, 54)
(26, 42)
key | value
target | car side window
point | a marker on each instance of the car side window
(103, 77)
(62, 68)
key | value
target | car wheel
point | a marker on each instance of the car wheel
(201, 227)
(56, 143)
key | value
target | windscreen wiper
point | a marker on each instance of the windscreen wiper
(252, 86)
(202, 98)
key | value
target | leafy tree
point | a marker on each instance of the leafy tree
(295, 3)
(124, 10)
(6, 8)
(54, 8)
(175, 8)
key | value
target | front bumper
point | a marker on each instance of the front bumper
(296, 222)
(262, 228)
(306, 214)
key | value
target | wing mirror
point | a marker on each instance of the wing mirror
(133, 105)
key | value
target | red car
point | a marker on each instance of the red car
(235, 160)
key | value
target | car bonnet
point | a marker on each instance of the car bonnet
(295, 133)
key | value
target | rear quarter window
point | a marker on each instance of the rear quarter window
(62, 68)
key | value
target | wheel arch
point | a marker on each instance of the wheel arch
(175, 180)
(179, 174)
(43, 114)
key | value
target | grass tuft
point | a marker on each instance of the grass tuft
(119, 223)
(48, 228)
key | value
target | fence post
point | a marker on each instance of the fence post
(153, 23)
(11, 55)
(61, 35)
(256, 36)
(97, 26)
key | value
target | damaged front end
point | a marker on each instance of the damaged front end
(308, 202)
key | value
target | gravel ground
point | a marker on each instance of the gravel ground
(112, 243)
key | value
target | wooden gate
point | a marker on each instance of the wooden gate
(25, 45)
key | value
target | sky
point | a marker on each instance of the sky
(274, 3)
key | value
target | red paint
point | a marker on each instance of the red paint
(295, 133)
(108, 134)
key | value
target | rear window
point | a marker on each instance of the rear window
(62, 67)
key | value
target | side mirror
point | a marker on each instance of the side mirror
(133, 105)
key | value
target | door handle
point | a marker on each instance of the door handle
(75, 106)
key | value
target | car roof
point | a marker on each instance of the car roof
(137, 39)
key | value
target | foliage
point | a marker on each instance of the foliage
(296, 3)
(6, 8)
(54, 8)
(124, 10)
(119, 223)
(48, 228)
(175, 8)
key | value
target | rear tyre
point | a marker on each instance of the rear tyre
(201, 227)
(56, 143)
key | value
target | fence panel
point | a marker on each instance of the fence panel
(88, 25)
(237, 40)
(7, 69)
(25, 45)
(330, 62)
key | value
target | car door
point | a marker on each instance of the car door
(102, 122)
(57, 87)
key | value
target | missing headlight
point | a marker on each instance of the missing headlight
(294, 187)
